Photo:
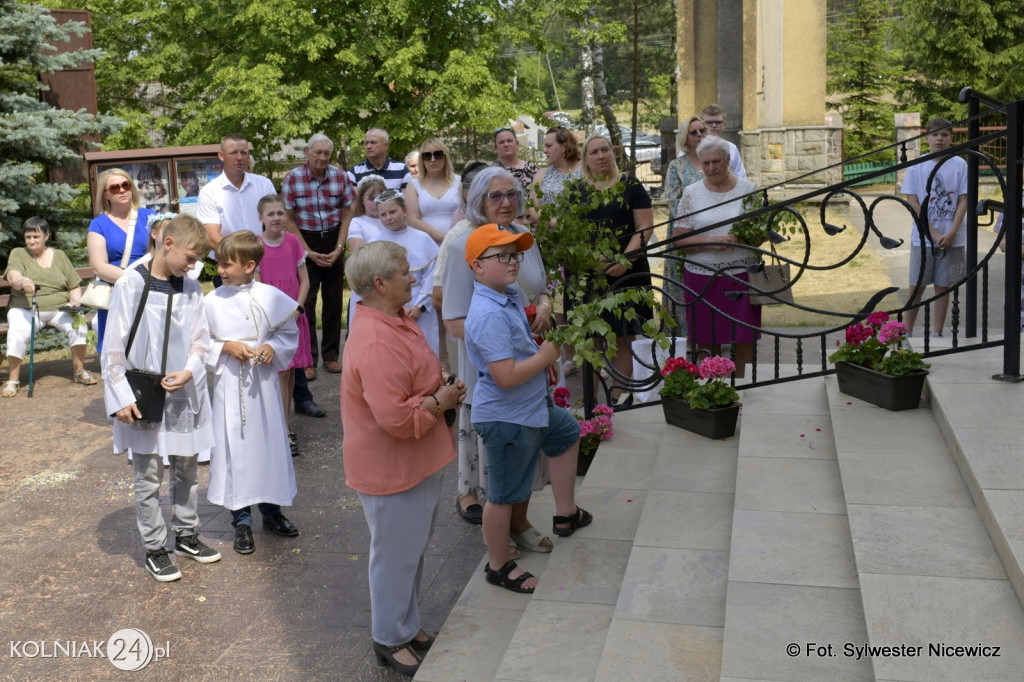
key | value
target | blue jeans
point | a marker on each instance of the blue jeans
(301, 393)
(243, 516)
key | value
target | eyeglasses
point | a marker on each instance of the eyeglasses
(505, 258)
(387, 195)
(498, 197)
(123, 187)
(699, 131)
(714, 123)
(430, 156)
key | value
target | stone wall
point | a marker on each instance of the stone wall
(793, 155)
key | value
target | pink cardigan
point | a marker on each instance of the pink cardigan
(390, 444)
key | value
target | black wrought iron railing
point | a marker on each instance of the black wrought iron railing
(985, 302)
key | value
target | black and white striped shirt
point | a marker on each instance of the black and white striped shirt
(395, 173)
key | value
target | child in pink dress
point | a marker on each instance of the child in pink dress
(284, 267)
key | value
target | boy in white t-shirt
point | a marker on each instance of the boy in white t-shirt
(944, 253)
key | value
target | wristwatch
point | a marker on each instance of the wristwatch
(423, 308)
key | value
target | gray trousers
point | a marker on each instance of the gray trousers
(400, 530)
(184, 487)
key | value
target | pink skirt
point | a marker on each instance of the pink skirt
(707, 305)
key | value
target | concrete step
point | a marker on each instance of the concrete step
(792, 580)
(558, 632)
(929, 574)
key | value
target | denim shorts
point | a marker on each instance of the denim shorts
(512, 451)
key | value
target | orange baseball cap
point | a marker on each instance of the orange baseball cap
(486, 236)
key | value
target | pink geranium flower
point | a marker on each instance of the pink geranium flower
(878, 318)
(858, 333)
(891, 332)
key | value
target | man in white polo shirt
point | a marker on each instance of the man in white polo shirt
(229, 202)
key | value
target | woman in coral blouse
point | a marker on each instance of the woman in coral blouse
(396, 444)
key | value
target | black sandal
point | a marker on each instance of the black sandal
(293, 443)
(578, 520)
(424, 646)
(501, 579)
(386, 656)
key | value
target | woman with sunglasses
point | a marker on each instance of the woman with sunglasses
(118, 215)
(496, 197)
(682, 172)
(434, 196)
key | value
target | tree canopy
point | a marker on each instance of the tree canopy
(33, 135)
(194, 70)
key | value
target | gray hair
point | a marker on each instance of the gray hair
(477, 194)
(375, 259)
(713, 143)
(319, 137)
(383, 133)
(414, 154)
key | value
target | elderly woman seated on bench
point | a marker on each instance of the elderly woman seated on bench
(47, 275)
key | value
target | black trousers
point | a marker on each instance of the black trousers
(329, 282)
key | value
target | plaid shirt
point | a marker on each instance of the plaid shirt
(316, 203)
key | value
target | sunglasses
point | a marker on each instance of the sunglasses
(505, 258)
(123, 187)
(430, 156)
(701, 131)
(498, 197)
(503, 129)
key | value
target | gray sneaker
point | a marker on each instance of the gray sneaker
(192, 547)
(160, 566)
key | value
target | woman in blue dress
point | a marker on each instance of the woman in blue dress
(116, 207)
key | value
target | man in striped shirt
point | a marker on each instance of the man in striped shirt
(377, 162)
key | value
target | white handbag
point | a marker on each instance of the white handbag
(97, 292)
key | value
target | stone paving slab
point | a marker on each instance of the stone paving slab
(71, 559)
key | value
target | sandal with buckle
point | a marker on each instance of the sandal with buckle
(386, 656)
(578, 520)
(83, 376)
(10, 389)
(422, 646)
(501, 579)
(531, 539)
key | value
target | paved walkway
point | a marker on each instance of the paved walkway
(71, 560)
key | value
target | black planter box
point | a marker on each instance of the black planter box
(885, 391)
(714, 424)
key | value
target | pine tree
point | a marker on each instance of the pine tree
(34, 136)
(861, 76)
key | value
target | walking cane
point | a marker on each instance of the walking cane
(32, 348)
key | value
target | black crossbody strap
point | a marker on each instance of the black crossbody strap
(138, 318)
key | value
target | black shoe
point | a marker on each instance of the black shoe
(280, 525)
(386, 656)
(160, 566)
(474, 513)
(310, 409)
(191, 546)
(424, 646)
(293, 443)
(243, 540)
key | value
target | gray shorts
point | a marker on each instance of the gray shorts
(942, 268)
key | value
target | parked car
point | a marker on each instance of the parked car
(648, 147)
(559, 118)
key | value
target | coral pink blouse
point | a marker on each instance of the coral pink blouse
(390, 443)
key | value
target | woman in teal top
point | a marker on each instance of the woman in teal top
(682, 172)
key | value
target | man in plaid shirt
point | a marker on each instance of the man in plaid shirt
(318, 197)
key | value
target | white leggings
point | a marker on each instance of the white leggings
(19, 330)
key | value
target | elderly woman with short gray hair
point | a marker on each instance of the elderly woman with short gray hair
(496, 197)
(396, 444)
(714, 265)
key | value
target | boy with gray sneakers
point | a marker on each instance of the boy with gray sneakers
(157, 321)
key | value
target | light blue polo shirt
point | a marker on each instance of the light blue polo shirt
(496, 329)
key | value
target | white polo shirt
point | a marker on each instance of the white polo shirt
(233, 208)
